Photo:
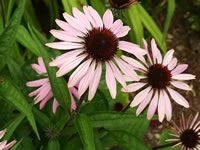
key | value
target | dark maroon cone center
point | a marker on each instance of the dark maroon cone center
(101, 44)
(158, 76)
(189, 138)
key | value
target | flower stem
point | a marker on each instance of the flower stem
(127, 107)
(74, 112)
(163, 146)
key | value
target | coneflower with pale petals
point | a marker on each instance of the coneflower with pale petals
(44, 93)
(92, 42)
(3, 144)
(187, 135)
(159, 75)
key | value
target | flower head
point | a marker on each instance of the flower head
(187, 135)
(44, 93)
(160, 74)
(3, 144)
(92, 42)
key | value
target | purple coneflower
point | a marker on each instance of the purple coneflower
(92, 42)
(43, 93)
(159, 75)
(3, 144)
(187, 135)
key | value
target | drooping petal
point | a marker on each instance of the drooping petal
(131, 48)
(9, 145)
(37, 83)
(133, 87)
(161, 107)
(117, 74)
(55, 105)
(85, 81)
(178, 98)
(46, 99)
(37, 68)
(2, 132)
(140, 97)
(110, 81)
(79, 73)
(41, 64)
(95, 81)
(65, 68)
(168, 106)
(168, 57)
(144, 103)
(108, 19)
(181, 85)
(179, 69)
(153, 106)
(172, 64)
(184, 77)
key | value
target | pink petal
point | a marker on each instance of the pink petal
(168, 57)
(67, 27)
(35, 92)
(168, 106)
(123, 31)
(84, 83)
(179, 69)
(116, 26)
(74, 92)
(65, 68)
(178, 98)
(44, 92)
(154, 50)
(38, 69)
(117, 74)
(64, 45)
(79, 73)
(3, 144)
(37, 83)
(65, 36)
(82, 18)
(55, 105)
(110, 81)
(146, 48)
(59, 60)
(133, 62)
(144, 103)
(184, 77)
(181, 85)
(153, 106)
(108, 19)
(194, 120)
(95, 82)
(133, 87)
(161, 107)
(126, 69)
(140, 97)
(96, 17)
(89, 16)
(9, 145)
(73, 104)
(74, 23)
(159, 56)
(45, 100)
(172, 64)
(2, 132)
(131, 48)
(41, 64)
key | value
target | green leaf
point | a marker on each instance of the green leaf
(85, 131)
(12, 125)
(41, 118)
(136, 24)
(128, 141)
(151, 27)
(98, 144)
(7, 38)
(99, 6)
(25, 39)
(120, 120)
(164, 136)
(171, 9)
(58, 84)
(67, 6)
(11, 94)
(10, 9)
(53, 144)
